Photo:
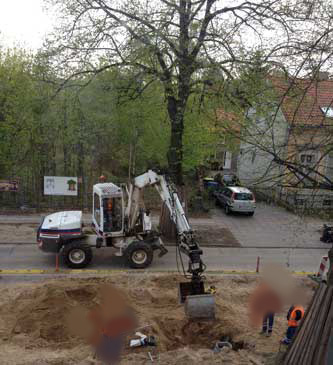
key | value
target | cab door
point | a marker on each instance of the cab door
(97, 213)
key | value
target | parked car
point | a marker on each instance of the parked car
(236, 199)
(227, 179)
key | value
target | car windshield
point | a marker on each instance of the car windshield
(243, 196)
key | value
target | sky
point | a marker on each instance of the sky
(23, 23)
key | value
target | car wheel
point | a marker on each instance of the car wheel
(227, 209)
(139, 255)
(77, 255)
(251, 214)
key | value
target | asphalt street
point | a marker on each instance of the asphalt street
(273, 234)
(270, 227)
(216, 259)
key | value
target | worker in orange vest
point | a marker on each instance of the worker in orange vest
(294, 316)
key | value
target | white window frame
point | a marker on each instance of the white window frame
(327, 110)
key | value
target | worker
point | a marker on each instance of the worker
(294, 316)
(108, 221)
(267, 324)
(264, 303)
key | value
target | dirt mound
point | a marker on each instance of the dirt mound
(35, 316)
(41, 313)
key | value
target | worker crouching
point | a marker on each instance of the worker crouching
(294, 317)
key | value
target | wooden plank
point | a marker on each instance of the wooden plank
(325, 336)
(318, 334)
(300, 336)
(293, 351)
(305, 358)
(329, 354)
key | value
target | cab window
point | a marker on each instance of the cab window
(113, 209)
(97, 209)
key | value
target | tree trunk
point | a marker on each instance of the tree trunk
(175, 153)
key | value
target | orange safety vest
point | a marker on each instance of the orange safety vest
(292, 320)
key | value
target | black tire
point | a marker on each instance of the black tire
(79, 248)
(251, 214)
(227, 209)
(139, 255)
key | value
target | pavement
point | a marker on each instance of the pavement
(20, 257)
(270, 227)
(273, 234)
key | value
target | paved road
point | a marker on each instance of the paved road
(271, 226)
(29, 257)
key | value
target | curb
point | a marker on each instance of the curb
(136, 272)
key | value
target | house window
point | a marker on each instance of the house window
(307, 160)
(227, 160)
(327, 110)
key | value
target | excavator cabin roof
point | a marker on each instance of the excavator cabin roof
(107, 189)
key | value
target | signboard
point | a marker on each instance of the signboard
(60, 185)
(8, 185)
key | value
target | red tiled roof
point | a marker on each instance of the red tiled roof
(232, 120)
(301, 99)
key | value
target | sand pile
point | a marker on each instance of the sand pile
(34, 322)
(12, 233)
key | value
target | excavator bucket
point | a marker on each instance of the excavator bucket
(198, 305)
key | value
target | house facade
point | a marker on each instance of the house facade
(286, 151)
(225, 158)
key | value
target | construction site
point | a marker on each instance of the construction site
(35, 328)
(166, 182)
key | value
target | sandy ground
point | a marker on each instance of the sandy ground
(18, 233)
(34, 330)
(208, 236)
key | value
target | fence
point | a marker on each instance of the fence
(27, 202)
(297, 199)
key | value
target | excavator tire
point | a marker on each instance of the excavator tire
(139, 255)
(77, 255)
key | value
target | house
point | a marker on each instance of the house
(286, 151)
(225, 158)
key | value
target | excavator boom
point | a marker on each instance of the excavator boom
(198, 304)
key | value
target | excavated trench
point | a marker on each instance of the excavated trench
(42, 315)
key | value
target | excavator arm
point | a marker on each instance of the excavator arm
(198, 304)
(186, 240)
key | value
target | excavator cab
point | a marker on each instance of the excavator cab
(108, 209)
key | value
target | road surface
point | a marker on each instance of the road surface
(217, 259)
(271, 226)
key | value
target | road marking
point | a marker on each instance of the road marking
(115, 271)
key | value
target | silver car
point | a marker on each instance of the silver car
(236, 199)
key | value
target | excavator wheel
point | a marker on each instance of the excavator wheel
(77, 255)
(139, 255)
